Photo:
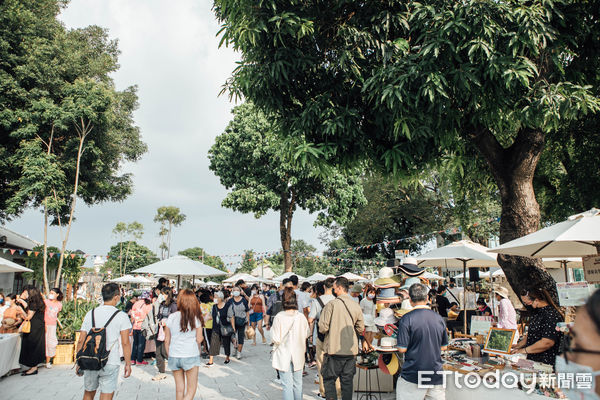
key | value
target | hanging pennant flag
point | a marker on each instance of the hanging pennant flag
(36, 253)
(21, 252)
(12, 251)
(28, 252)
(73, 256)
(51, 255)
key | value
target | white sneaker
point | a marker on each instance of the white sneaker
(277, 381)
(48, 365)
(234, 353)
(239, 355)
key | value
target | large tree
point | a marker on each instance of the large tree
(65, 130)
(198, 254)
(251, 160)
(138, 256)
(403, 83)
(168, 217)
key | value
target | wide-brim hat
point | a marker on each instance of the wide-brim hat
(388, 363)
(410, 267)
(357, 288)
(393, 281)
(386, 272)
(502, 292)
(386, 316)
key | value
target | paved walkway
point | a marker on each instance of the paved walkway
(248, 378)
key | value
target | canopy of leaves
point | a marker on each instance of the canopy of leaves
(250, 160)
(138, 256)
(404, 82)
(53, 80)
(198, 254)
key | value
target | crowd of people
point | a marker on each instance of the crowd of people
(324, 326)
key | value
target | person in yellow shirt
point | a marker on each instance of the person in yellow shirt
(453, 311)
(206, 305)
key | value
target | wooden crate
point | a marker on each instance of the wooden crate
(65, 354)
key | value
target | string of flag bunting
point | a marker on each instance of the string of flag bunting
(265, 254)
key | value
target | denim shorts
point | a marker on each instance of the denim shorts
(104, 380)
(184, 363)
(256, 316)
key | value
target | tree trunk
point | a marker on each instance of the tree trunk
(83, 132)
(169, 240)
(513, 169)
(286, 213)
(45, 253)
(126, 255)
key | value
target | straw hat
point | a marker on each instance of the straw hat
(502, 292)
(409, 282)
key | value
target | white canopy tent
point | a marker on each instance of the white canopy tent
(287, 275)
(432, 276)
(10, 266)
(180, 266)
(245, 277)
(132, 279)
(352, 277)
(317, 277)
(459, 254)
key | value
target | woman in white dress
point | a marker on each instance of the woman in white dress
(368, 307)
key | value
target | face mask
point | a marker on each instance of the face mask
(253, 292)
(235, 293)
(371, 296)
(1, 301)
(51, 296)
(574, 368)
(8, 303)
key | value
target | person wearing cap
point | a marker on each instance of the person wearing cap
(355, 292)
(422, 338)
(507, 316)
(138, 313)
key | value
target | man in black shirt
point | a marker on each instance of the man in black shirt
(443, 304)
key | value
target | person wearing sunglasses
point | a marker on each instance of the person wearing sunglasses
(581, 350)
(541, 343)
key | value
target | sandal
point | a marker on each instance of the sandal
(208, 364)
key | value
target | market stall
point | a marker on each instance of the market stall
(10, 349)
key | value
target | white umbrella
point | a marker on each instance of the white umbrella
(317, 277)
(287, 275)
(459, 254)
(211, 283)
(10, 266)
(180, 266)
(353, 277)
(564, 263)
(498, 273)
(578, 236)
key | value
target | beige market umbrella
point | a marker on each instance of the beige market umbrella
(281, 277)
(463, 253)
(10, 266)
(353, 277)
(180, 266)
(564, 263)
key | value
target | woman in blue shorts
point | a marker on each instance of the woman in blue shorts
(257, 309)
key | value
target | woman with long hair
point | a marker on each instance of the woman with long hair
(33, 343)
(166, 307)
(183, 341)
(289, 333)
(541, 343)
(368, 306)
(53, 307)
(139, 311)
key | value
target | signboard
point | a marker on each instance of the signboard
(591, 268)
(499, 341)
(480, 325)
(401, 254)
(572, 294)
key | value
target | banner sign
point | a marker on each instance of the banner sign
(572, 294)
(591, 268)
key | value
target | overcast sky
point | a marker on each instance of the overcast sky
(169, 49)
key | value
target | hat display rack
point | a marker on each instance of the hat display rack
(390, 279)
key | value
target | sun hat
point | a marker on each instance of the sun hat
(386, 316)
(387, 343)
(388, 296)
(410, 267)
(387, 279)
(388, 363)
(502, 292)
(409, 282)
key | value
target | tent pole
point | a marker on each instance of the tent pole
(465, 294)
(193, 279)
(564, 263)
(178, 282)
(492, 295)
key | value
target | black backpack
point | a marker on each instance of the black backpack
(93, 355)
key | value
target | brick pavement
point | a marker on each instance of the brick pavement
(248, 378)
